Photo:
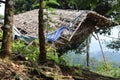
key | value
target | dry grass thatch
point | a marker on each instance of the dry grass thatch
(88, 22)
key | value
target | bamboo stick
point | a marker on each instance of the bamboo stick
(102, 51)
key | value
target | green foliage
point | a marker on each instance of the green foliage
(52, 54)
(106, 31)
(65, 60)
(16, 76)
(78, 4)
(72, 59)
(27, 5)
(23, 5)
(1, 37)
(32, 52)
(114, 45)
(83, 4)
(35, 5)
(48, 3)
(18, 46)
(110, 71)
(115, 11)
(1, 16)
(93, 3)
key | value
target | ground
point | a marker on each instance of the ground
(18, 68)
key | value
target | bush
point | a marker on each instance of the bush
(32, 52)
(109, 71)
(1, 16)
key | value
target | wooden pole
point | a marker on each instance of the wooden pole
(102, 51)
(88, 53)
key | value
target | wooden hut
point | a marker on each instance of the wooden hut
(84, 25)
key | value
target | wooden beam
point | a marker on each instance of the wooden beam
(104, 58)
(84, 17)
(64, 38)
(59, 42)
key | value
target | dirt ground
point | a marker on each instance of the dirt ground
(25, 70)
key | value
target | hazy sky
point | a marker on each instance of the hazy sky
(2, 8)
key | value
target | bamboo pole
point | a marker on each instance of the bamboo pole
(88, 53)
(82, 20)
(104, 59)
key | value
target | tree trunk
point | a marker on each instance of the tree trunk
(6, 48)
(88, 52)
(42, 56)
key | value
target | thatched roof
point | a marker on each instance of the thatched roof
(88, 22)
(28, 21)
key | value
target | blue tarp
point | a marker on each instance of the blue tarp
(26, 38)
(52, 37)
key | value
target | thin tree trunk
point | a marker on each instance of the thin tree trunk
(42, 56)
(87, 55)
(6, 48)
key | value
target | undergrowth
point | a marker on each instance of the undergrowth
(110, 71)
(1, 38)
(31, 52)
